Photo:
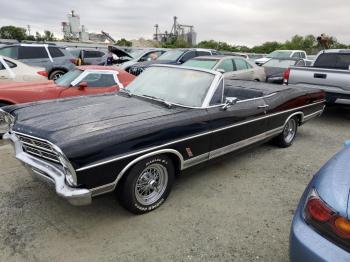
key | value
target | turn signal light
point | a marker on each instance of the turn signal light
(43, 73)
(343, 225)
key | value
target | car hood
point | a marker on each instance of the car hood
(119, 52)
(154, 62)
(74, 122)
(332, 182)
(262, 60)
(26, 85)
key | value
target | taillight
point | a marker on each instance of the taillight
(318, 210)
(326, 221)
(43, 73)
(74, 60)
(286, 76)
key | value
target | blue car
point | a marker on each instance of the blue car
(321, 226)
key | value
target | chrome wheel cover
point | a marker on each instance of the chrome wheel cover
(290, 130)
(56, 76)
(151, 184)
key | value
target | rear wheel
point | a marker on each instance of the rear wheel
(147, 184)
(56, 74)
(286, 138)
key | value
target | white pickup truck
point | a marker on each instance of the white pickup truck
(330, 72)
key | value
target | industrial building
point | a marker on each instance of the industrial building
(73, 31)
(178, 31)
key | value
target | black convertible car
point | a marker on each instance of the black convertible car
(170, 118)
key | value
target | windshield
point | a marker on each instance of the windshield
(68, 78)
(279, 63)
(279, 54)
(172, 55)
(201, 63)
(174, 85)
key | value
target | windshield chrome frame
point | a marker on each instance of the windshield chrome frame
(211, 90)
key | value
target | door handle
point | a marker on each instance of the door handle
(263, 106)
(321, 76)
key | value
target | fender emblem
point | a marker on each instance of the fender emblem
(189, 152)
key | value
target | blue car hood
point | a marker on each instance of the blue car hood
(332, 182)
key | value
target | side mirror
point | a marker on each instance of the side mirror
(222, 71)
(229, 101)
(82, 85)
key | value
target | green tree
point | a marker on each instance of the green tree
(13, 32)
(123, 42)
(48, 36)
(176, 43)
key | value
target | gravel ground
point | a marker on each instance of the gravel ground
(236, 209)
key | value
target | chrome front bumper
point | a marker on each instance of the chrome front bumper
(50, 173)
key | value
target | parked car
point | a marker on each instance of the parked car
(275, 68)
(54, 59)
(282, 54)
(142, 56)
(232, 67)
(84, 80)
(168, 119)
(330, 72)
(249, 56)
(15, 71)
(172, 57)
(321, 226)
(89, 56)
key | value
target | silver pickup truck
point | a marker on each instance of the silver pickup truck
(330, 72)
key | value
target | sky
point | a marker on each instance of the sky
(241, 22)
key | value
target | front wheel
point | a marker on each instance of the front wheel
(56, 74)
(147, 185)
(286, 138)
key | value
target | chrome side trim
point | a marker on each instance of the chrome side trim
(190, 162)
(110, 187)
(194, 136)
(196, 160)
(313, 115)
(244, 143)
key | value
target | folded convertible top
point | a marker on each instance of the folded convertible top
(265, 88)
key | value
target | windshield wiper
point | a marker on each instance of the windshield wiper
(168, 104)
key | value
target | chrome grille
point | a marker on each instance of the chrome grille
(39, 148)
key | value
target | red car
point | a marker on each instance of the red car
(84, 80)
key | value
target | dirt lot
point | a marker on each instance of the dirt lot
(237, 209)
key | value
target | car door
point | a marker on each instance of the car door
(92, 57)
(237, 126)
(244, 70)
(187, 56)
(4, 72)
(96, 82)
(228, 68)
(34, 55)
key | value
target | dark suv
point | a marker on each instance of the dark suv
(172, 57)
(54, 59)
